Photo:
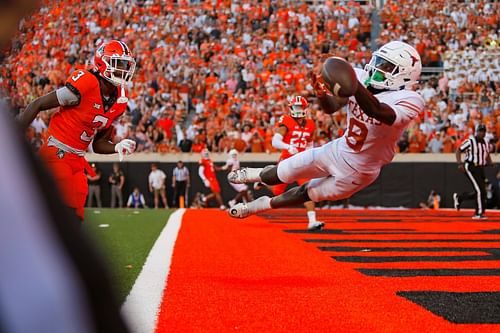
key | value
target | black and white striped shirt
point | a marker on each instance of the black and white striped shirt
(476, 151)
(181, 174)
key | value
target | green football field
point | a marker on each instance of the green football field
(125, 237)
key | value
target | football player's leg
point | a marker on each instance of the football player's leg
(215, 187)
(339, 187)
(63, 175)
(80, 190)
(309, 164)
(294, 196)
(311, 213)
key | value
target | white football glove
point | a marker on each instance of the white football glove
(206, 182)
(292, 150)
(125, 147)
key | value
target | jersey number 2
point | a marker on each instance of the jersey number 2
(356, 134)
(98, 123)
(299, 139)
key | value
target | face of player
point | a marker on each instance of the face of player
(383, 66)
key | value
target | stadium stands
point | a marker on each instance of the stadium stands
(219, 77)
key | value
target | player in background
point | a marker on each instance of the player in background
(379, 111)
(206, 171)
(233, 164)
(294, 134)
(88, 104)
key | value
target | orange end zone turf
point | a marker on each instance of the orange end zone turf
(391, 271)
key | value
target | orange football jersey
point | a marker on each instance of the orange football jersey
(297, 135)
(208, 168)
(77, 125)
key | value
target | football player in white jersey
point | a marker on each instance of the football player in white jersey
(232, 164)
(382, 107)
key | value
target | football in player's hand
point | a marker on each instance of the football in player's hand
(339, 77)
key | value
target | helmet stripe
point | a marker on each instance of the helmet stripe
(125, 47)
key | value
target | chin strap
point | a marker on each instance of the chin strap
(123, 98)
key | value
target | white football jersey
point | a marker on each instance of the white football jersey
(233, 163)
(369, 144)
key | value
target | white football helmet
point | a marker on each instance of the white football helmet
(395, 66)
(298, 107)
(205, 154)
(233, 153)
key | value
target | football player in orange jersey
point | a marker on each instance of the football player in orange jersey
(206, 171)
(88, 104)
(294, 134)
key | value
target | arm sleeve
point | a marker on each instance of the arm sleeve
(129, 202)
(66, 97)
(465, 145)
(278, 143)
(407, 109)
(143, 202)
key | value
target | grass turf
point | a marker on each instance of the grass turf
(126, 242)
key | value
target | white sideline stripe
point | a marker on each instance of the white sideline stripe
(141, 307)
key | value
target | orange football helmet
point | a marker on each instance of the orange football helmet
(115, 62)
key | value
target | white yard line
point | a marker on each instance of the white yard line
(142, 304)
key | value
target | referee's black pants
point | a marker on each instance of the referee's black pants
(179, 190)
(475, 174)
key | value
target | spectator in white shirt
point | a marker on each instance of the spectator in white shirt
(157, 185)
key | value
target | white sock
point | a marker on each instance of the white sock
(253, 175)
(260, 204)
(311, 215)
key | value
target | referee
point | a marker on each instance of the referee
(477, 156)
(180, 182)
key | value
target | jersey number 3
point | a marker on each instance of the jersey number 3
(98, 123)
(356, 134)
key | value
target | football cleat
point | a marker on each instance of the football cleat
(480, 217)
(456, 202)
(316, 225)
(231, 203)
(239, 211)
(244, 175)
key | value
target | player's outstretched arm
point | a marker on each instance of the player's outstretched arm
(372, 107)
(43, 103)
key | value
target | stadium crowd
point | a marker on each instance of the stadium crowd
(219, 76)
